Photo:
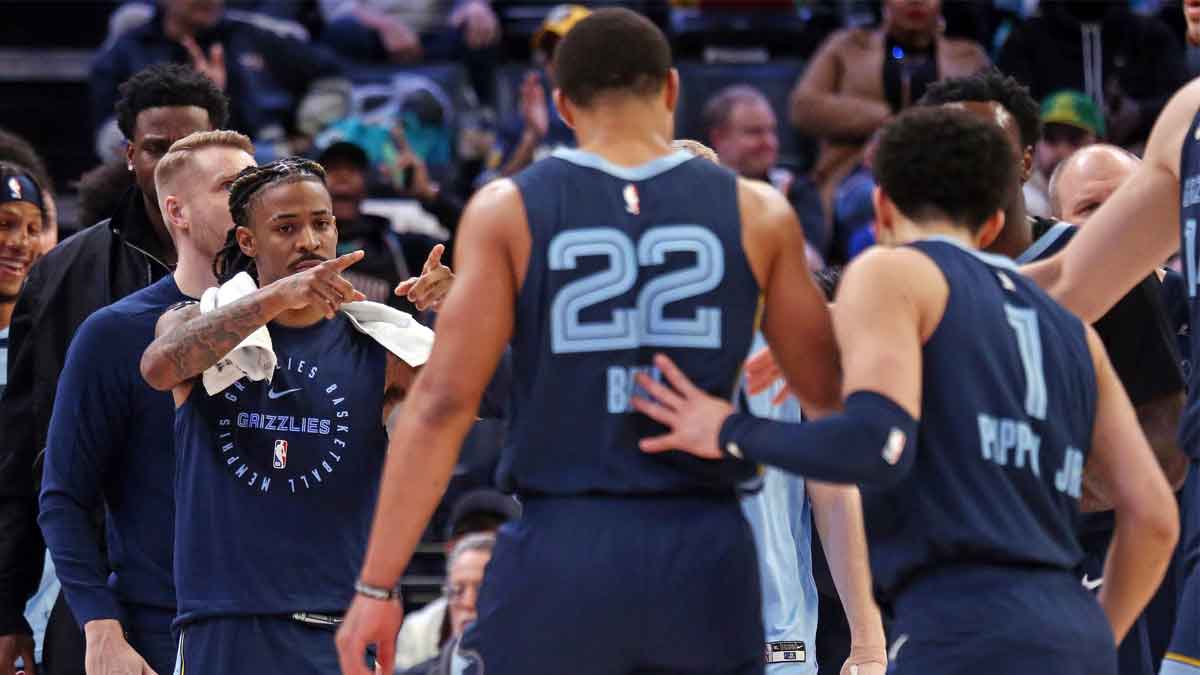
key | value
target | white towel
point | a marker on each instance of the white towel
(254, 357)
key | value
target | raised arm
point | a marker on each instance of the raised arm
(1134, 232)
(187, 342)
(474, 326)
(1147, 517)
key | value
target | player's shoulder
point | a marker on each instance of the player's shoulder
(761, 201)
(892, 269)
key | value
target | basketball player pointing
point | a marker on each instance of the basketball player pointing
(588, 262)
(275, 479)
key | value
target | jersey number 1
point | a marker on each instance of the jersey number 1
(645, 324)
(1024, 322)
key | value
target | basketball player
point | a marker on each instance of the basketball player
(110, 443)
(972, 528)
(588, 261)
(1108, 257)
(274, 480)
(781, 515)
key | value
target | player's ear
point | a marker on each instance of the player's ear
(565, 112)
(173, 214)
(1026, 164)
(671, 89)
(245, 240)
(991, 228)
(885, 215)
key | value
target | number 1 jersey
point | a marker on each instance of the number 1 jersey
(625, 262)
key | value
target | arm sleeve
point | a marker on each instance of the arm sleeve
(85, 429)
(872, 441)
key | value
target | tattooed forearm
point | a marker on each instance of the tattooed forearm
(195, 344)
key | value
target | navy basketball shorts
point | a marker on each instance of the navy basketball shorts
(991, 620)
(1183, 654)
(254, 645)
(620, 585)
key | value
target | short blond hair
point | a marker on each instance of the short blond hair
(696, 148)
(182, 150)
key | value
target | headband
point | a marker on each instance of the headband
(20, 188)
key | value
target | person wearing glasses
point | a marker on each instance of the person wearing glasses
(464, 575)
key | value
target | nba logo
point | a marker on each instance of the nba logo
(280, 460)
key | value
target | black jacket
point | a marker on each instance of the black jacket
(1139, 55)
(91, 269)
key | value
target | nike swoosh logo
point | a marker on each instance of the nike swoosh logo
(272, 394)
(1092, 584)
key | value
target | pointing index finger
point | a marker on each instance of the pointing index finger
(345, 261)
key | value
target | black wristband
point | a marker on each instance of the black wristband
(375, 592)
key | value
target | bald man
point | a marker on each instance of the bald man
(1138, 336)
(1084, 181)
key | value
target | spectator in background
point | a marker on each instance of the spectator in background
(391, 257)
(538, 128)
(1086, 179)
(860, 78)
(464, 577)
(101, 190)
(100, 265)
(409, 31)
(853, 221)
(1127, 63)
(1070, 120)
(268, 76)
(19, 151)
(425, 631)
(22, 211)
(744, 133)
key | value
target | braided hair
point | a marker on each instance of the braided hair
(248, 185)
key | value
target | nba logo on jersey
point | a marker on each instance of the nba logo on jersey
(631, 199)
(280, 460)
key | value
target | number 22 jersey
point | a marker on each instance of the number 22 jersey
(625, 262)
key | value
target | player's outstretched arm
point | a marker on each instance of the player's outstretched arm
(187, 342)
(890, 302)
(837, 511)
(1122, 464)
(796, 319)
(474, 326)
(1134, 231)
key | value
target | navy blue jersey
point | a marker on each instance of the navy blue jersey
(1008, 402)
(1189, 214)
(625, 262)
(277, 480)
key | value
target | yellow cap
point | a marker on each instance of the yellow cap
(560, 20)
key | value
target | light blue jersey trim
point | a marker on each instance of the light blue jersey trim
(631, 173)
(989, 258)
(1044, 242)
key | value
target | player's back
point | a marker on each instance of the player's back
(1008, 402)
(624, 263)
